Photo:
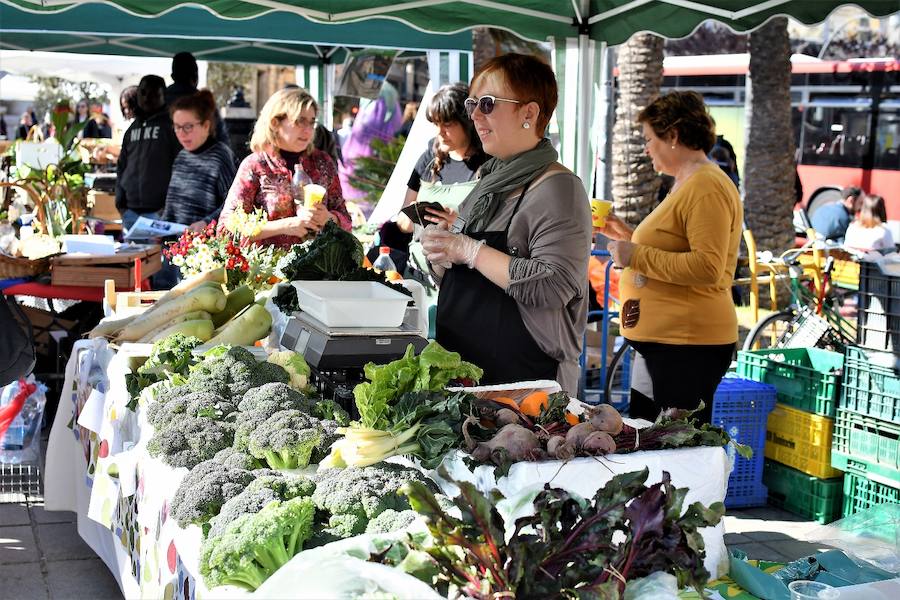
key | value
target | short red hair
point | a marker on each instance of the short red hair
(529, 78)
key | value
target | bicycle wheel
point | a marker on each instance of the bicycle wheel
(771, 330)
(618, 377)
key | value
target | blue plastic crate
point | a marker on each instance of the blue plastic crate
(741, 407)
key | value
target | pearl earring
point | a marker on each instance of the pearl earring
(526, 125)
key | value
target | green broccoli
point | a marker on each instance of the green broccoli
(353, 496)
(170, 358)
(392, 520)
(254, 546)
(205, 489)
(232, 373)
(268, 486)
(286, 439)
(236, 459)
(273, 397)
(331, 410)
(172, 406)
(190, 440)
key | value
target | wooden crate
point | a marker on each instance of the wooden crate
(126, 303)
(104, 206)
(95, 270)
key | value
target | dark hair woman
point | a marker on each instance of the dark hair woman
(679, 263)
(444, 174)
(204, 169)
(513, 267)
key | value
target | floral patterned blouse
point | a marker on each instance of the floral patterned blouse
(264, 181)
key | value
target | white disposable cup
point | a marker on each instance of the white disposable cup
(812, 590)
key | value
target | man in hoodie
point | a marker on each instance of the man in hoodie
(148, 151)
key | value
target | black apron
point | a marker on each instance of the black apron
(478, 319)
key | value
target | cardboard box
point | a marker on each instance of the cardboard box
(43, 323)
(104, 206)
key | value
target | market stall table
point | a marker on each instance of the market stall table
(123, 514)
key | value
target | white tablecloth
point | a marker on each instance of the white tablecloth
(123, 515)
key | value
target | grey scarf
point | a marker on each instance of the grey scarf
(501, 177)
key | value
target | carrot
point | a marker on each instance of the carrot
(506, 401)
(572, 419)
(534, 402)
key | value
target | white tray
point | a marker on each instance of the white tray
(352, 303)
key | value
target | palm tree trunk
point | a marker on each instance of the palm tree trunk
(635, 183)
(769, 169)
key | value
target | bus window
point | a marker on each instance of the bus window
(835, 135)
(887, 137)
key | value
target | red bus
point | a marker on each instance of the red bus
(845, 114)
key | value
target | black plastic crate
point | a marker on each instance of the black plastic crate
(879, 308)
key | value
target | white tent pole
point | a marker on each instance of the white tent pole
(328, 96)
(570, 108)
(453, 70)
(604, 129)
(583, 162)
(300, 76)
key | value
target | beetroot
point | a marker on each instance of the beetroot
(518, 443)
(606, 418)
(577, 434)
(599, 442)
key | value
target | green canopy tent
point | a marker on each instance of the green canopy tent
(274, 37)
(582, 29)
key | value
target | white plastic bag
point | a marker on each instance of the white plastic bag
(22, 441)
(872, 535)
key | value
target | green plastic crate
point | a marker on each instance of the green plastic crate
(870, 446)
(870, 387)
(802, 494)
(861, 493)
(805, 378)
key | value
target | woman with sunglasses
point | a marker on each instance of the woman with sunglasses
(512, 267)
(282, 138)
(204, 169)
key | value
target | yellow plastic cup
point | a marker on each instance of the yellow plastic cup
(313, 194)
(599, 210)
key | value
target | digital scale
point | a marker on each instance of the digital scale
(329, 348)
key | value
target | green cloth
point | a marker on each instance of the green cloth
(499, 177)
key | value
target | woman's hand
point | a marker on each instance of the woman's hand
(445, 248)
(299, 227)
(198, 226)
(306, 217)
(437, 217)
(615, 229)
(320, 215)
(621, 252)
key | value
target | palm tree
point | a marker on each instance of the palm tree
(635, 184)
(769, 169)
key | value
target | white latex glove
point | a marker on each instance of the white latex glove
(446, 249)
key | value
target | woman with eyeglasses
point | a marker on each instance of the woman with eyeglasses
(282, 138)
(512, 267)
(204, 169)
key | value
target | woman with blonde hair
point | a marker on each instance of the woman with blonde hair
(283, 138)
(868, 230)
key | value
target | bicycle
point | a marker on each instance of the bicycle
(813, 318)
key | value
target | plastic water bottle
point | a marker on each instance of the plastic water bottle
(298, 181)
(385, 265)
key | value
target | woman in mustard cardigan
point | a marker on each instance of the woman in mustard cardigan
(675, 289)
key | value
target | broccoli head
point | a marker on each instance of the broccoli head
(205, 489)
(329, 436)
(329, 409)
(286, 439)
(254, 546)
(232, 373)
(174, 405)
(268, 486)
(353, 496)
(236, 459)
(392, 520)
(273, 397)
(188, 441)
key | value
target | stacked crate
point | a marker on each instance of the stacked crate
(867, 430)
(798, 470)
(741, 407)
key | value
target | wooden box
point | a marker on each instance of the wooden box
(104, 206)
(95, 270)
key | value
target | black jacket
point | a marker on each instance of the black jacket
(145, 164)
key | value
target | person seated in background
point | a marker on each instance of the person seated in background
(204, 170)
(283, 138)
(868, 230)
(25, 125)
(98, 125)
(831, 221)
(145, 161)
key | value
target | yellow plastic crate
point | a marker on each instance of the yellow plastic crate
(801, 440)
(845, 272)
